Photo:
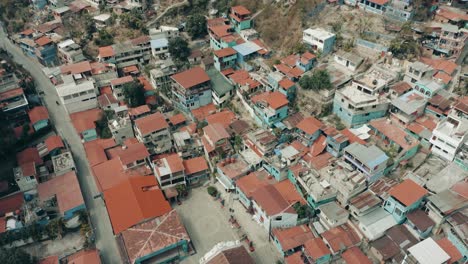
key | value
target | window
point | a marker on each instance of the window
(278, 218)
(398, 211)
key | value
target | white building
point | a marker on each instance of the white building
(349, 60)
(319, 39)
(426, 252)
(77, 93)
(332, 215)
(121, 125)
(169, 171)
(160, 48)
(451, 133)
(164, 32)
(25, 176)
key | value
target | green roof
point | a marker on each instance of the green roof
(220, 84)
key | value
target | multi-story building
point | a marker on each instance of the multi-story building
(449, 40)
(70, 52)
(319, 40)
(261, 141)
(370, 160)
(215, 141)
(42, 48)
(14, 103)
(77, 93)
(191, 89)
(164, 32)
(269, 108)
(221, 33)
(240, 18)
(169, 171)
(160, 77)
(121, 126)
(403, 198)
(153, 131)
(416, 72)
(117, 86)
(225, 58)
(451, 133)
(160, 48)
(137, 50)
(408, 107)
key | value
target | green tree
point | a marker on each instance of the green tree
(179, 50)
(133, 20)
(196, 25)
(15, 256)
(319, 80)
(404, 47)
(104, 38)
(102, 124)
(212, 191)
(134, 94)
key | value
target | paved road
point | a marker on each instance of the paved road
(105, 240)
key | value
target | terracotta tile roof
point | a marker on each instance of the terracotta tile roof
(319, 146)
(146, 84)
(290, 60)
(195, 165)
(221, 31)
(27, 32)
(316, 248)
(320, 161)
(250, 183)
(154, 235)
(106, 51)
(85, 120)
(142, 109)
(420, 219)
(202, 112)
(288, 71)
(450, 249)
(341, 237)
(274, 100)
(111, 173)
(37, 114)
(394, 133)
(66, 188)
(444, 77)
(216, 21)
(177, 119)
(215, 132)
(95, 150)
(355, 256)
(293, 237)
(42, 41)
(309, 56)
(11, 93)
(151, 123)
(446, 66)
(76, 68)
(408, 192)
(54, 142)
(225, 117)
(175, 163)
(352, 137)
(286, 83)
(237, 255)
(132, 69)
(11, 203)
(49, 260)
(310, 125)
(121, 80)
(451, 15)
(140, 40)
(461, 188)
(106, 100)
(190, 78)
(401, 87)
(289, 192)
(221, 53)
(379, 2)
(29, 169)
(133, 201)
(240, 10)
(29, 155)
(270, 200)
(295, 258)
(129, 153)
(105, 90)
(90, 256)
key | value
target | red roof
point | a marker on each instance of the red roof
(49, 260)
(29, 169)
(27, 32)
(134, 201)
(42, 41)
(286, 83)
(316, 248)
(240, 10)
(450, 249)
(66, 188)
(11, 203)
(89, 256)
(446, 66)
(146, 84)
(29, 155)
(129, 153)
(107, 100)
(121, 80)
(192, 77)
(37, 114)
(310, 125)
(195, 165)
(76, 68)
(295, 258)
(444, 77)
(309, 56)
(53, 142)
(379, 2)
(111, 173)
(106, 51)
(352, 137)
(221, 53)
(355, 256)
(142, 109)
(401, 87)
(270, 200)
(11, 93)
(177, 119)
(85, 120)
(293, 237)
(289, 192)
(275, 99)
(215, 132)
(225, 117)
(341, 237)
(250, 183)
(202, 112)
(394, 133)
(151, 123)
(408, 192)
(319, 146)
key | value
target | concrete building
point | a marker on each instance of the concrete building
(406, 108)
(160, 77)
(261, 141)
(167, 32)
(121, 126)
(77, 93)
(374, 6)
(221, 89)
(375, 223)
(169, 171)
(319, 40)
(451, 133)
(153, 131)
(370, 160)
(42, 48)
(118, 84)
(136, 50)
(70, 52)
(160, 48)
(277, 165)
(416, 72)
(191, 89)
(269, 108)
(216, 141)
(349, 60)
(332, 215)
(26, 176)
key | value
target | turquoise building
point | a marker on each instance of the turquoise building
(404, 198)
(428, 87)
(270, 108)
(240, 18)
(225, 58)
(316, 251)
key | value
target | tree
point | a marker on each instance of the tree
(196, 25)
(104, 38)
(212, 191)
(134, 94)
(15, 256)
(133, 20)
(102, 124)
(404, 47)
(319, 80)
(179, 50)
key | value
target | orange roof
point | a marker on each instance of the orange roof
(49, 260)
(195, 165)
(310, 125)
(106, 90)
(142, 109)
(295, 258)
(309, 56)
(225, 117)
(379, 2)
(111, 173)
(37, 114)
(215, 132)
(316, 248)
(42, 41)
(270, 200)
(76, 68)
(290, 60)
(401, 87)
(286, 83)
(355, 256)
(29, 169)
(129, 153)
(151, 123)
(394, 133)
(174, 162)
(134, 201)
(89, 256)
(352, 137)
(192, 77)
(29, 155)
(289, 192)
(440, 64)
(85, 120)
(319, 146)
(177, 119)
(340, 237)
(27, 32)
(449, 14)
(221, 53)
(121, 80)
(275, 99)
(450, 249)
(54, 142)
(95, 152)
(408, 192)
(221, 31)
(250, 183)
(11, 93)
(240, 10)
(66, 188)
(202, 112)
(106, 51)
(146, 84)
(293, 237)
(444, 77)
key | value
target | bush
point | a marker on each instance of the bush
(212, 191)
